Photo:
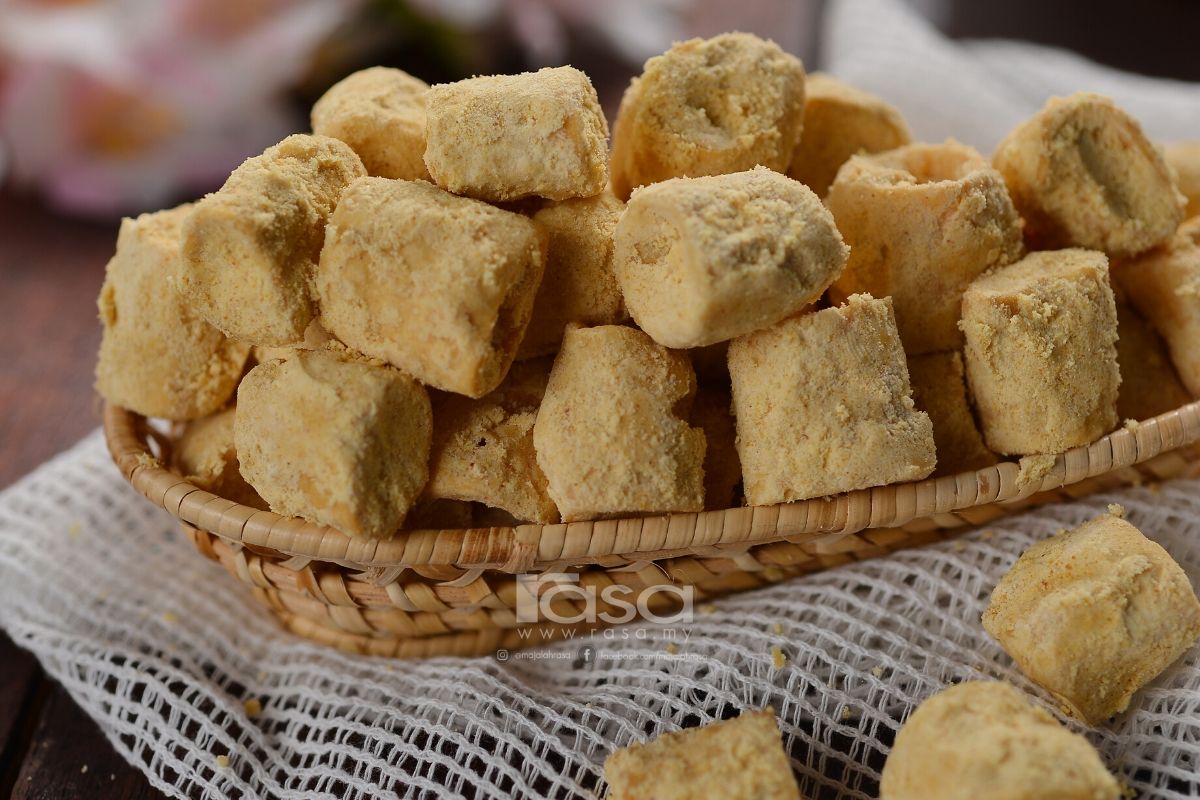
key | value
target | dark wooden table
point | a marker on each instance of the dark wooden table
(50, 273)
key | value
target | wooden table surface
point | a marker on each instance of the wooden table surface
(50, 273)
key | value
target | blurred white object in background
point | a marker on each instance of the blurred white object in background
(977, 90)
(118, 105)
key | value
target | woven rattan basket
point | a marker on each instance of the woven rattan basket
(454, 592)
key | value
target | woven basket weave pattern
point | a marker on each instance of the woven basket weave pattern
(454, 592)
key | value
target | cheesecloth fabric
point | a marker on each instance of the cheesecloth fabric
(164, 649)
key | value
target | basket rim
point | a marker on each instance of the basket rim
(534, 547)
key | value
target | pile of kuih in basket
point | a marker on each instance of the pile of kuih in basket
(452, 306)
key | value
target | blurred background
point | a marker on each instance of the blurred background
(111, 107)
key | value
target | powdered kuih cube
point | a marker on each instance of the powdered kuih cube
(1093, 614)
(380, 112)
(1149, 383)
(157, 356)
(504, 137)
(702, 260)
(1041, 352)
(250, 249)
(438, 285)
(708, 107)
(483, 449)
(823, 405)
(841, 121)
(611, 434)
(1083, 174)
(1164, 285)
(579, 285)
(334, 439)
(983, 740)
(1184, 158)
(206, 455)
(940, 390)
(922, 222)
(737, 759)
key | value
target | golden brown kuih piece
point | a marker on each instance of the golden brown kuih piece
(380, 113)
(823, 405)
(702, 260)
(712, 413)
(1093, 614)
(922, 222)
(1041, 352)
(1164, 286)
(249, 250)
(483, 449)
(438, 285)
(206, 456)
(841, 121)
(1083, 174)
(579, 285)
(157, 357)
(1184, 158)
(334, 439)
(1149, 383)
(982, 740)
(708, 107)
(611, 435)
(505, 137)
(736, 759)
(940, 390)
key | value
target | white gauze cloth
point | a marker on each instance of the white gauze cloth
(163, 649)
(978, 90)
